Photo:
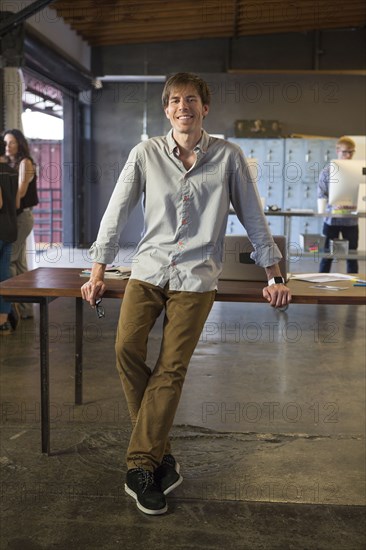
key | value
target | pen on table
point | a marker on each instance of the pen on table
(359, 284)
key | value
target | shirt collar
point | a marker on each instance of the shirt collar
(202, 145)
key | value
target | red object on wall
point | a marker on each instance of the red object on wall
(48, 226)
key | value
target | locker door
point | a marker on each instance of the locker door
(253, 151)
(293, 173)
(272, 180)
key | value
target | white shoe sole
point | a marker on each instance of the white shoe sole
(177, 483)
(174, 486)
(142, 508)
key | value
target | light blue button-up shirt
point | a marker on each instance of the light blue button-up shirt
(185, 213)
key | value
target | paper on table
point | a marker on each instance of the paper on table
(329, 287)
(112, 272)
(323, 277)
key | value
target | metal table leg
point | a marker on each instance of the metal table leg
(79, 351)
(44, 353)
(287, 231)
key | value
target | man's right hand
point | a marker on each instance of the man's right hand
(95, 287)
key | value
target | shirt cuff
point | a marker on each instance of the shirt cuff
(266, 255)
(103, 254)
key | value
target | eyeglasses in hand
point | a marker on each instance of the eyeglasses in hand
(99, 308)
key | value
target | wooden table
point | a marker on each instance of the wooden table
(44, 284)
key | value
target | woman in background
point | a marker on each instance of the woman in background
(18, 154)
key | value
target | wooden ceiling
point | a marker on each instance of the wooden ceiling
(110, 22)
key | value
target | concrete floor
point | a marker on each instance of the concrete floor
(269, 434)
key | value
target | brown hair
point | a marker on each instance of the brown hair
(182, 79)
(345, 140)
(23, 147)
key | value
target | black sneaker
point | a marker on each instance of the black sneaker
(14, 316)
(140, 484)
(167, 474)
(5, 328)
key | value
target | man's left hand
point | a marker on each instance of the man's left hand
(277, 295)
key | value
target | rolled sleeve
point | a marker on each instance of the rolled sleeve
(103, 254)
(266, 255)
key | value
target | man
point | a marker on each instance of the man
(345, 149)
(188, 180)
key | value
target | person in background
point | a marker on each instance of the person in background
(188, 180)
(333, 227)
(17, 152)
(9, 202)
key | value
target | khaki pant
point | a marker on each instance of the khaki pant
(18, 260)
(153, 396)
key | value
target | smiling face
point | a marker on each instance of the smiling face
(185, 110)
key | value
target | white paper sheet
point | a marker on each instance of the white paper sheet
(325, 277)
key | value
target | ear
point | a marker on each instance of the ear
(166, 112)
(205, 110)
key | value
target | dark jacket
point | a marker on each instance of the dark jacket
(8, 217)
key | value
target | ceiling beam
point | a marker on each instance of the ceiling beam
(351, 72)
(39, 93)
(142, 21)
(12, 21)
(47, 111)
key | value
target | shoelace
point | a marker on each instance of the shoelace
(169, 459)
(146, 478)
